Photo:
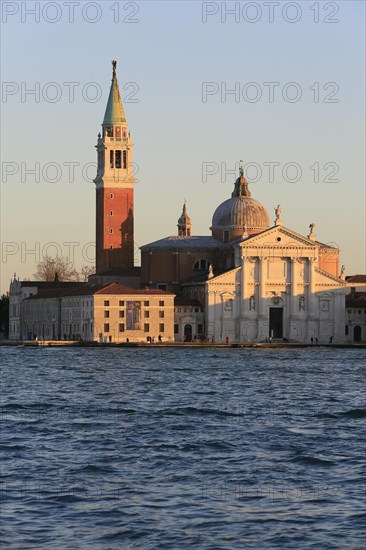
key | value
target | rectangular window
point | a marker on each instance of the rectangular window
(146, 313)
(121, 314)
(121, 303)
(161, 314)
(133, 315)
(161, 303)
(111, 159)
(106, 315)
(200, 329)
(162, 286)
(124, 159)
(106, 327)
(146, 303)
(176, 329)
(161, 327)
(118, 159)
(121, 327)
(146, 327)
(106, 303)
(346, 330)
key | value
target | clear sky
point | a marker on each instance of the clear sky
(296, 70)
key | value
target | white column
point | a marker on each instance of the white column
(262, 285)
(311, 297)
(294, 274)
(243, 283)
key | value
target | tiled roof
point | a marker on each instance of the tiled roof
(356, 299)
(356, 279)
(119, 272)
(51, 284)
(115, 288)
(48, 293)
(89, 289)
(175, 241)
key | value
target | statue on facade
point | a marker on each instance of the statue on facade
(343, 273)
(278, 215)
(302, 303)
(252, 303)
(312, 234)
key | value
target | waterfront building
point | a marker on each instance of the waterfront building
(95, 312)
(114, 313)
(21, 290)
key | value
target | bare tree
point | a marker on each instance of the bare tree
(87, 270)
(56, 269)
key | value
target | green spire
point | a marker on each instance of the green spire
(114, 113)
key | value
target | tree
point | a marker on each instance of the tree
(56, 269)
(4, 316)
(87, 270)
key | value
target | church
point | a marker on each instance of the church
(249, 280)
(253, 279)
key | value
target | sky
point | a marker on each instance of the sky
(278, 85)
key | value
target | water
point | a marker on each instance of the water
(182, 448)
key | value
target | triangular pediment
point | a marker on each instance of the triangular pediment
(227, 277)
(322, 278)
(278, 236)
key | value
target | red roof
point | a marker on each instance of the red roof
(89, 289)
(116, 288)
(356, 279)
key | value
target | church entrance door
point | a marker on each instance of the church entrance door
(188, 333)
(276, 322)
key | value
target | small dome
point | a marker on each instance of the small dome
(184, 218)
(184, 223)
(239, 213)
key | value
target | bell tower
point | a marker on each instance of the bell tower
(114, 187)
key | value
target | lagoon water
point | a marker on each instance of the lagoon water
(182, 448)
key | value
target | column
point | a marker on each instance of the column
(243, 284)
(313, 330)
(294, 274)
(262, 285)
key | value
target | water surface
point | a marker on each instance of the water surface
(179, 448)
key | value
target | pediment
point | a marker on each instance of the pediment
(278, 237)
(227, 277)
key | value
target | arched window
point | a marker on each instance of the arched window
(201, 265)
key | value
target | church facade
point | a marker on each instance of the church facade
(257, 282)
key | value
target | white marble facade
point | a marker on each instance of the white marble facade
(277, 290)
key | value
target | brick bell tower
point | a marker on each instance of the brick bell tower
(114, 188)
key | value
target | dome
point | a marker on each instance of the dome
(240, 213)
(184, 218)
